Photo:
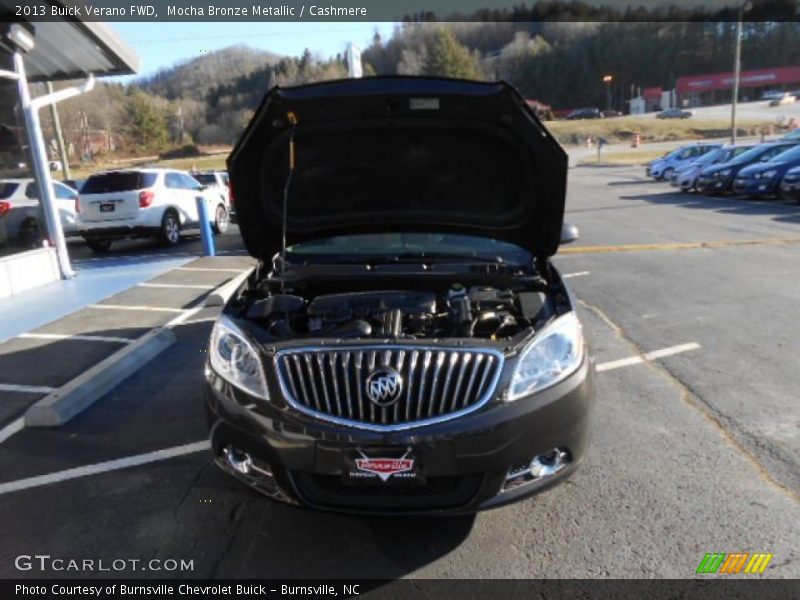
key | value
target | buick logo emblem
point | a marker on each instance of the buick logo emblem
(384, 386)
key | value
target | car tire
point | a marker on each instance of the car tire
(667, 173)
(170, 231)
(221, 220)
(30, 235)
(99, 246)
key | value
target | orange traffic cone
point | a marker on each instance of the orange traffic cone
(637, 141)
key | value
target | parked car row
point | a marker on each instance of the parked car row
(752, 170)
(109, 205)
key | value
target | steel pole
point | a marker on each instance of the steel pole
(41, 170)
(62, 151)
(737, 66)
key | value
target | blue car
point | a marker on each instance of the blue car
(764, 178)
(662, 168)
(717, 179)
(790, 186)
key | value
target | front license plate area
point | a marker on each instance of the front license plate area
(381, 466)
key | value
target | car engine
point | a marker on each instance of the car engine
(458, 312)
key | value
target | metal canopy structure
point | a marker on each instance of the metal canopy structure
(57, 49)
(73, 49)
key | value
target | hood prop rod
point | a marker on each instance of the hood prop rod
(293, 120)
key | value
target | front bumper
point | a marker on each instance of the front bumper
(747, 186)
(464, 462)
(791, 189)
(714, 185)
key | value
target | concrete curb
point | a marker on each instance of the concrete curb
(220, 295)
(76, 395)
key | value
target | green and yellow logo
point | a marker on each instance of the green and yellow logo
(736, 562)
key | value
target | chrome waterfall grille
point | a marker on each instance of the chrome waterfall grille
(385, 388)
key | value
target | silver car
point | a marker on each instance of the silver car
(686, 178)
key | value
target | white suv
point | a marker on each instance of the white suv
(145, 202)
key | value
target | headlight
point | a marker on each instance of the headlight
(235, 359)
(767, 174)
(552, 356)
(723, 173)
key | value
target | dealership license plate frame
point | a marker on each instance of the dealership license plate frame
(353, 474)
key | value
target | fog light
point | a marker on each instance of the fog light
(549, 463)
(541, 466)
(239, 461)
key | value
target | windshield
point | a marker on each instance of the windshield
(762, 152)
(789, 155)
(408, 246)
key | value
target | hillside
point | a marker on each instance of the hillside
(186, 78)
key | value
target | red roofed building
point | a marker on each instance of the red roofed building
(716, 88)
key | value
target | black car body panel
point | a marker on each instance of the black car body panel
(385, 383)
(398, 154)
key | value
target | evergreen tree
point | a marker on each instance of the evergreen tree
(448, 58)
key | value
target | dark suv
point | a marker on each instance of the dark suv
(405, 344)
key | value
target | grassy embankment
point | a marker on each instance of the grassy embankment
(620, 132)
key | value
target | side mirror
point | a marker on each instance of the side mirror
(569, 233)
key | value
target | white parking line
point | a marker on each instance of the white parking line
(650, 356)
(103, 467)
(177, 286)
(63, 336)
(12, 428)
(578, 274)
(27, 389)
(135, 307)
(212, 269)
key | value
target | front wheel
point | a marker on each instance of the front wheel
(221, 220)
(667, 174)
(170, 230)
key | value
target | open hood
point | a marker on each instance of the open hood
(398, 154)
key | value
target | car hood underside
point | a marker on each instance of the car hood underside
(398, 154)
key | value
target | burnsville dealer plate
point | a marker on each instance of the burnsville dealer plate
(381, 466)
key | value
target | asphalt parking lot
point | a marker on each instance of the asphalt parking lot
(690, 303)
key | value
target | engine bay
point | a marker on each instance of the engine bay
(459, 311)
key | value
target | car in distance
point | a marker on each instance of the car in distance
(686, 178)
(783, 100)
(662, 168)
(718, 178)
(132, 203)
(218, 181)
(21, 216)
(585, 113)
(764, 178)
(790, 185)
(675, 113)
(772, 94)
(399, 348)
